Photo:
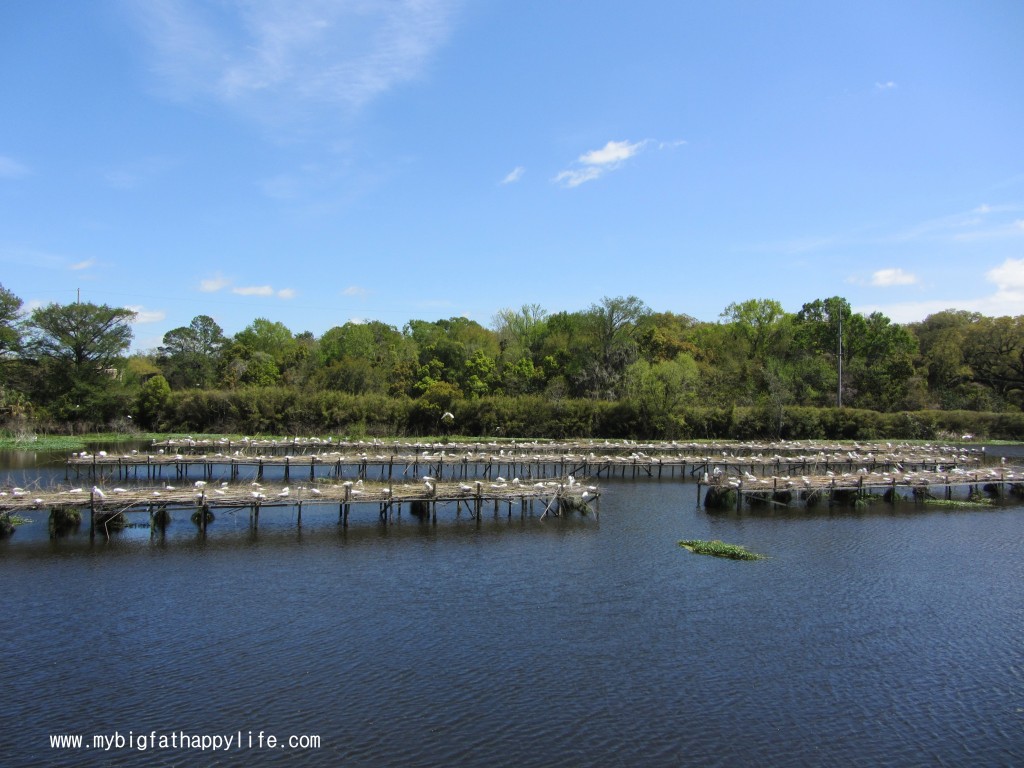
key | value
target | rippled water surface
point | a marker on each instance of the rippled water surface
(879, 638)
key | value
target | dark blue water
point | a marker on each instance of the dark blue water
(878, 638)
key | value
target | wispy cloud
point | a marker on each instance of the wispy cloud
(253, 290)
(885, 278)
(11, 168)
(143, 315)
(79, 266)
(888, 85)
(354, 290)
(220, 283)
(514, 175)
(275, 53)
(597, 162)
(214, 284)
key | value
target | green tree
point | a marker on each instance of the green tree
(76, 350)
(994, 350)
(942, 339)
(153, 395)
(188, 355)
(10, 322)
(85, 338)
(759, 325)
(614, 336)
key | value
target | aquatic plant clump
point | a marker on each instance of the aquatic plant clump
(977, 503)
(718, 548)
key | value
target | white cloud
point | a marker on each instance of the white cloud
(143, 315)
(1008, 298)
(82, 265)
(253, 290)
(214, 284)
(1009, 280)
(12, 169)
(885, 278)
(263, 56)
(354, 290)
(286, 293)
(574, 178)
(514, 175)
(888, 85)
(597, 162)
(611, 154)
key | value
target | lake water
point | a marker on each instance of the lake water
(888, 637)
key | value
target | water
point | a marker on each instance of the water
(879, 638)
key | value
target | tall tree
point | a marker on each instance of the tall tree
(10, 322)
(616, 324)
(189, 354)
(75, 348)
(84, 338)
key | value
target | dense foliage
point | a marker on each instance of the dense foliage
(616, 369)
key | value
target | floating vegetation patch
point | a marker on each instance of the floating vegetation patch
(718, 548)
(981, 503)
(6, 527)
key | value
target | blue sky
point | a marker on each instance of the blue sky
(315, 162)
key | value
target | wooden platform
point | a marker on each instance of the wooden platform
(421, 498)
(784, 490)
(481, 462)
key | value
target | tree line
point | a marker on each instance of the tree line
(617, 368)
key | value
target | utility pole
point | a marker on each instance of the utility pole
(839, 386)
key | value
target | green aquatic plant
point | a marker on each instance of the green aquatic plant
(975, 503)
(718, 548)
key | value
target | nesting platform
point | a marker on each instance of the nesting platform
(555, 497)
(722, 491)
(309, 459)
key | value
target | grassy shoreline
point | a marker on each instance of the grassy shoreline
(79, 442)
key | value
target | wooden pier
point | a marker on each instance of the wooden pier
(556, 497)
(311, 461)
(723, 491)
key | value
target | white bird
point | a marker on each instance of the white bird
(120, 490)
(199, 484)
(98, 492)
(284, 492)
(315, 491)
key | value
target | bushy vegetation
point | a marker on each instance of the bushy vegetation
(718, 548)
(615, 370)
